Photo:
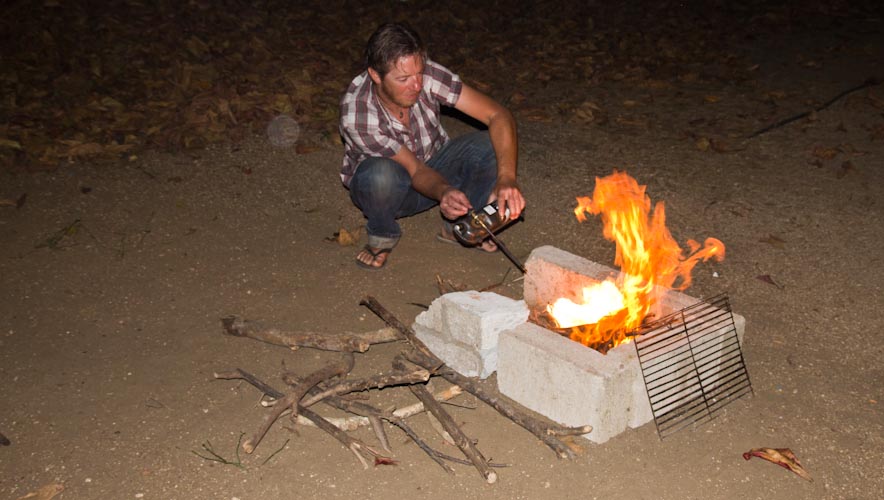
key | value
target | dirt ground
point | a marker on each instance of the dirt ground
(113, 279)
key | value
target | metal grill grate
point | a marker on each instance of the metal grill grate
(692, 364)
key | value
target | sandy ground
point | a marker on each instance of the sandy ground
(113, 280)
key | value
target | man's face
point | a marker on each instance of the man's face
(402, 84)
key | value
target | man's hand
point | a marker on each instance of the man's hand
(508, 195)
(454, 203)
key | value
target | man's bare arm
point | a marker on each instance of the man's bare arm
(431, 184)
(502, 129)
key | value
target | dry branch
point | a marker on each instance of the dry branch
(365, 414)
(290, 401)
(344, 342)
(349, 442)
(871, 82)
(460, 439)
(376, 382)
(345, 424)
(432, 362)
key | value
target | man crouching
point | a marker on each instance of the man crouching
(399, 161)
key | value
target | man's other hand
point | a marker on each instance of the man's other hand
(509, 196)
(454, 203)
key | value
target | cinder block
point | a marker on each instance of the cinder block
(571, 383)
(474, 318)
(554, 273)
(462, 358)
(462, 329)
(606, 391)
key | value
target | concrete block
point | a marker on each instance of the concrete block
(474, 318)
(463, 358)
(571, 383)
(554, 273)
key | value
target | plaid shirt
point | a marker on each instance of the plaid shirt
(369, 130)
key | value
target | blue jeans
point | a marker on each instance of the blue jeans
(381, 188)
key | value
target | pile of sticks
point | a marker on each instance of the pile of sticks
(413, 368)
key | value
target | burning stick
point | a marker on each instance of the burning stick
(344, 342)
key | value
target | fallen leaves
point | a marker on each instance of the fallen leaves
(784, 457)
(825, 153)
(45, 493)
(766, 278)
(773, 241)
(346, 238)
(17, 203)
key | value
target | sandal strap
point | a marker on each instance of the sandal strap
(375, 253)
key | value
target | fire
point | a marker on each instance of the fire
(648, 257)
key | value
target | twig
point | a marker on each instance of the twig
(460, 439)
(345, 424)
(218, 458)
(349, 442)
(376, 382)
(548, 433)
(871, 82)
(290, 401)
(432, 362)
(497, 285)
(275, 452)
(344, 342)
(54, 241)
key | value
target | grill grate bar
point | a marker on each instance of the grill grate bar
(692, 364)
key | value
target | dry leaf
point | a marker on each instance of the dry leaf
(346, 238)
(780, 456)
(385, 461)
(773, 241)
(304, 149)
(44, 493)
(703, 144)
(518, 98)
(768, 279)
(632, 122)
(711, 99)
(9, 143)
(825, 153)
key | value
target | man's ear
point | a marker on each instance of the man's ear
(375, 77)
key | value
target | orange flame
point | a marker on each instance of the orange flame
(648, 257)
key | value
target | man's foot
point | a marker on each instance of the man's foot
(372, 258)
(488, 245)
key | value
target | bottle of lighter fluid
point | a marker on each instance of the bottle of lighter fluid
(470, 229)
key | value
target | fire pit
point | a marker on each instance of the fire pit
(565, 380)
(478, 333)
(546, 365)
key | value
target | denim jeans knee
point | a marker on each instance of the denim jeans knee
(378, 188)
